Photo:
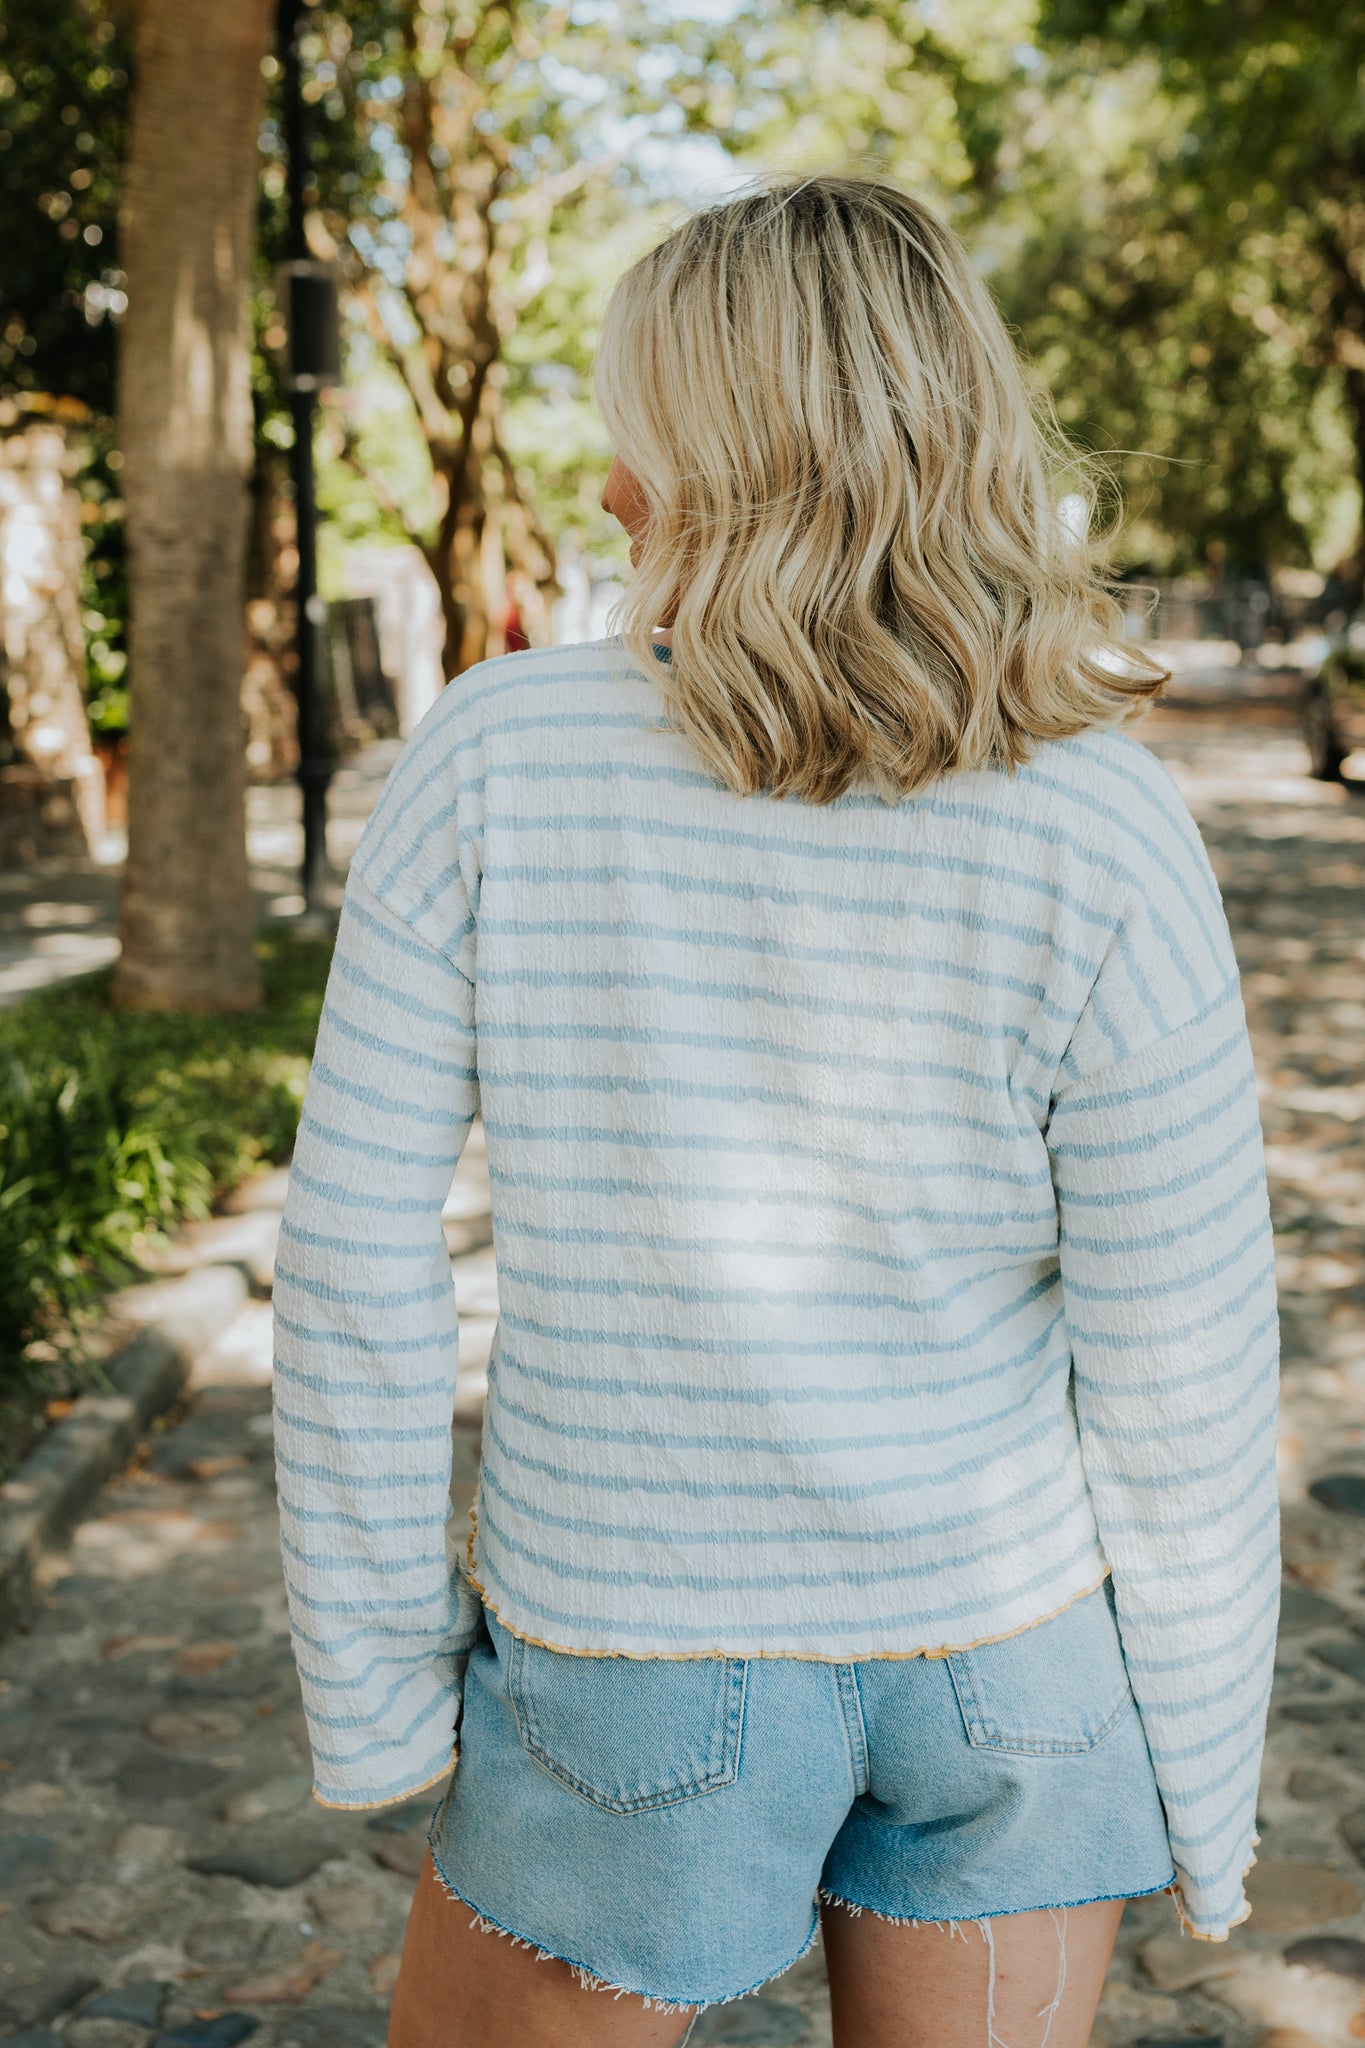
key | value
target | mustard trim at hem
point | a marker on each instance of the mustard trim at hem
(1188, 1927)
(395, 1799)
(771, 1656)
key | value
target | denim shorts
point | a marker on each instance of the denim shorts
(669, 1826)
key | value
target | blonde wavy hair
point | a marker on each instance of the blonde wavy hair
(853, 502)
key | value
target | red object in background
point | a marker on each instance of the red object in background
(112, 755)
(514, 639)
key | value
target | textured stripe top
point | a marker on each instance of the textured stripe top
(880, 1221)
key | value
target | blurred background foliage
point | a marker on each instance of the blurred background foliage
(1168, 197)
(116, 1128)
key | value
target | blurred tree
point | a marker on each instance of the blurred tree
(63, 135)
(1132, 302)
(500, 163)
(471, 137)
(64, 92)
(185, 417)
(1266, 177)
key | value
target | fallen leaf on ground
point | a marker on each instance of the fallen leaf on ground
(201, 1657)
(129, 1645)
(288, 1982)
(383, 1973)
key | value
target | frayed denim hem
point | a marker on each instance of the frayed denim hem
(589, 1979)
(829, 1898)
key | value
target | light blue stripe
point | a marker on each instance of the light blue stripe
(362, 1482)
(966, 1617)
(401, 1055)
(1177, 1282)
(355, 1247)
(789, 1490)
(777, 847)
(666, 1343)
(1178, 1333)
(543, 1135)
(445, 1116)
(395, 998)
(609, 1388)
(781, 1446)
(500, 927)
(619, 1288)
(710, 1582)
(558, 1031)
(381, 1344)
(712, 1534)
(607, 877)
(1112, 1389)
(364, 1297)
(405, 942)
(390, 1155)
(684, 1088)
(1008, 1257)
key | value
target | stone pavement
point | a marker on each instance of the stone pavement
(59, 918)
(165, 1878)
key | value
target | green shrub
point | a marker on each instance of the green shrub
(115, 1127)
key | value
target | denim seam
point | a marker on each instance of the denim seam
(589, 1978)
(855, 1728)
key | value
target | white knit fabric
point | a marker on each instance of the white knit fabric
(880, 1220)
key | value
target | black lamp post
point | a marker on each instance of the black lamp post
(314, 361)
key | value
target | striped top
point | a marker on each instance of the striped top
(880, 1222)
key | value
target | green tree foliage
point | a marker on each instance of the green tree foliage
(115, 1128)
(1261, 187)
(63, 132)
(64, 96)
(493, 154)
(1167, 197)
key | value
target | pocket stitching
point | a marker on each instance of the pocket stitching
(730, 1714)
(984, 1733)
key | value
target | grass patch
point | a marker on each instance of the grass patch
(115, 1127)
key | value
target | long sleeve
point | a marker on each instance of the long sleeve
(1169, 1289)
(366, 1353)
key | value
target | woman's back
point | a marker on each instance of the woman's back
(775, 1095)
(881, 1225)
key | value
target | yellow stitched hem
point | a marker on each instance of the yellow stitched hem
(773, 1656)
(372, 1805)
(1186, 1924)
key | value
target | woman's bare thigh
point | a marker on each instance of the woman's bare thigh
(1038, 1976)
(460, 1987)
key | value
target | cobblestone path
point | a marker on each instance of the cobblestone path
(165, 1880)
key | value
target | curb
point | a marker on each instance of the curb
(51, 1490)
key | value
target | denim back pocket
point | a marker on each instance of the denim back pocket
(1056, 1689)
(629, 1733)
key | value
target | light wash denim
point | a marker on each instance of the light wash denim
(669, 1826)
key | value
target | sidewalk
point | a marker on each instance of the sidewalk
(169, 1883)
(59, 919)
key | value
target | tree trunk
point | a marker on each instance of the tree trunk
(186, 920)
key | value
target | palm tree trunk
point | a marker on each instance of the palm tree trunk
(186, 920)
